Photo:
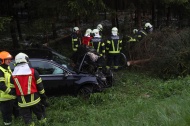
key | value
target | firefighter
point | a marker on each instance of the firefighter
(87, 37)
(97, 43)
(100, 28)
(76, 38)
(29, 91)
(113, 47)
(139, 34)
(148, 28)
(8, 102)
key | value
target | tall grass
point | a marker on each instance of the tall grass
(136, 99)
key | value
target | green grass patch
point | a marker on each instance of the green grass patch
(136, 99)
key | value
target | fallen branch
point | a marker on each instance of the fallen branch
(56, 40)
(134, 62)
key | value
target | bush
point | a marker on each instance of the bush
(168, 51)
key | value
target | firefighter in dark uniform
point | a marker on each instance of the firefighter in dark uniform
(113, 47)
(29, 91)
(148, 28)
(8, 102)
(97, 42)
(76, 39)
(139, 34)
(100, 28)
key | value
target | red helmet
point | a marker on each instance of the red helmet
(4, 55)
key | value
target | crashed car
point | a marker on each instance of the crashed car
(58, 76)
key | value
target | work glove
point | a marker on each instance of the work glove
(44, 100)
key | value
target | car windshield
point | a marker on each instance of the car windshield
(60, 59)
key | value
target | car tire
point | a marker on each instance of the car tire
(85, 91)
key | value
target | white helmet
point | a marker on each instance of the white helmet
(75, 29)
(135, 31)
(88, 31)
(21, 58)
(114, 31)
(99, 27)
(148, 25)
(96, 32)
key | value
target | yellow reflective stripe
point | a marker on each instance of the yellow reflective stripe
(29, 103)
(23, 99)
(74, 39)
(12, 86)
(98, 49)
(19, 87)
(2, 79)
(42, 91)
(139, 36)
(108, 42)
(32, 97)
(118, 46)
(113, 45)
(29, 84)
(7, 90)
(39, 81)
(9, 69)
(114, 51)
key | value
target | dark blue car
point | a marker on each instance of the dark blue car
(58, 76)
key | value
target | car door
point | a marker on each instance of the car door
(54, 77)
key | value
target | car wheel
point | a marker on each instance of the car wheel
(85, 91)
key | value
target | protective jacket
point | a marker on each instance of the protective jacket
(86, 40)
(25, 84)
(28, 88)
(98, 45)
(5, 84)
(76, 41)
(114, 44)
(140, 34)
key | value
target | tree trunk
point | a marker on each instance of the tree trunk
(18, 27)
(116, 16)
(154, 14)
(13, 34)
(54, 30)
(139, 15)
(168, 16)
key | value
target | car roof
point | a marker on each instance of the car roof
(33, 53)
(47, 60)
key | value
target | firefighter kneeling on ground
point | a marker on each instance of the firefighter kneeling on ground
(113, 47)
(8, 101)
(29, 91)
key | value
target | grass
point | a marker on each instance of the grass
(136, 99)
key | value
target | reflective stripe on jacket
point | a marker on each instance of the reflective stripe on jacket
(75, 42)
(30, 98)
(25, 84)
(4, 96)
(98, 45)
(114, 45)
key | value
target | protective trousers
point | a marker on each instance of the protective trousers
(9, 108)
(26, 113)
(113, 58)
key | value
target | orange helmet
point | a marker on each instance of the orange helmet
(4, 55)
